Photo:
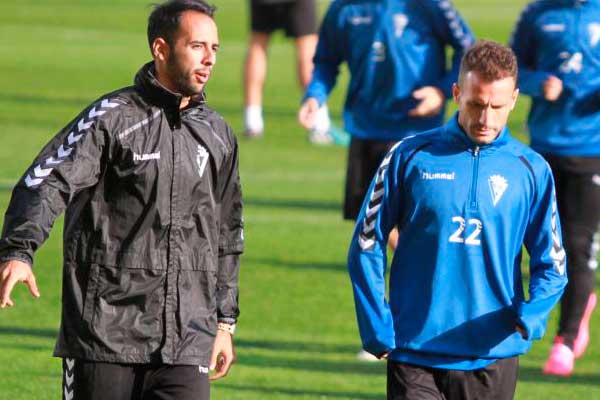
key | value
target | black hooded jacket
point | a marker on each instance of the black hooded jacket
(153, 225)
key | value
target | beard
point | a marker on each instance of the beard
(182, 78)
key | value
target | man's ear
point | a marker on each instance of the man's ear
(160, 49)
(455, 92)
(515, 96)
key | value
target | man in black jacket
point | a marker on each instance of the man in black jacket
(148, 179)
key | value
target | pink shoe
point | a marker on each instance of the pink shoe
(561, 360)
(583, 335)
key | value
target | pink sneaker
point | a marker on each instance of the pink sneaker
(583, 335)
(561, 360)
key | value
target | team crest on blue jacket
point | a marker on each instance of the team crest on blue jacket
(498, 185)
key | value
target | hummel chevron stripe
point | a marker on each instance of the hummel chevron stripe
(69, 378)
(37, 176)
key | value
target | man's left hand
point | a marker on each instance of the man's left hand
(431, 100)
(223, 355)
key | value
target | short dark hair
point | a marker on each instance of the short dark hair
(492, 61)
(165, 18)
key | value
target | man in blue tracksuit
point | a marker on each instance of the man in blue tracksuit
(399, 80)
(466, 197)
(557, 44)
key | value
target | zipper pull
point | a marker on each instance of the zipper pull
(476, 151)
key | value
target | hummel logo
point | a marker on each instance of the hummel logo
(361, 20)
(553, 28)
(146, 157)
(498, 185)
(448, 176)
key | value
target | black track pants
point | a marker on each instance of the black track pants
(84, 380)
(578, 197)
(411, 382)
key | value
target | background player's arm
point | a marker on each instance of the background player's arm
(327, 60)
(532, 81)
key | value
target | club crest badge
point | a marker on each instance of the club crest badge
(498, 185)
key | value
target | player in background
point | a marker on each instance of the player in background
(298, 19)
(558, 47)
(466, 198)
(399, 78)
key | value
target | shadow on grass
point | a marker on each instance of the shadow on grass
(297, 265)
(317, 394)
(531, 374)
(294, 204)
(305, 347)
(314, 364)
(20, 331)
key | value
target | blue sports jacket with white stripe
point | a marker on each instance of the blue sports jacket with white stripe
(391, 47)
(561, 38)
(464, 212)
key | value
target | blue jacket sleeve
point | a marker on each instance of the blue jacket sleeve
(523, 44)
(367, 258)
(452, 29)
(328, 56)
(547, 259)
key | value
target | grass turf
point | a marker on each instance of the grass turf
(297, 334)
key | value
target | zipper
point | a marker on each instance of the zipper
(475, 175)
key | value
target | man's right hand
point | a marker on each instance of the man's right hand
(552, 88)
(308, 113)
(11, 272)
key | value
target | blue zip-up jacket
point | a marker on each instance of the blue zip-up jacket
(463, 212)
(391, 47)
(561, 38)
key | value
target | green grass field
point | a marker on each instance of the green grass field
(297, 333)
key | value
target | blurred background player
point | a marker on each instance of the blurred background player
(399, 80)
(558, 47)
(298, 18)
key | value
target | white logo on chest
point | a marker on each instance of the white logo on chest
(201, 159)
(446, 176)
(553, 28)
(146, 157)
(498, 185)
(400, 22)
(594, 32)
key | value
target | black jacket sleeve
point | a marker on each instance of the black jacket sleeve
(231, 238)
(70, 162)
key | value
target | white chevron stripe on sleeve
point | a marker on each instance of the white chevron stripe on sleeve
(64, 152)
(30, 182)
(72, 138)
(40, 172)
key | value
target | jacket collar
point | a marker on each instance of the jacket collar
(455, 134)
(155, 93)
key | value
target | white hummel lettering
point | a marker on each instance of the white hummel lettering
(553, 28)
(361, 20)
(498, 185)
(72, 138)
(41, 173)
(448, 176)
(64, 151)
(146, 157)
(29, 181)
